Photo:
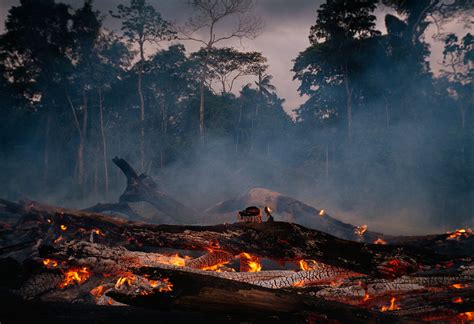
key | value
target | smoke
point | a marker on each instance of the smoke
(399, 178)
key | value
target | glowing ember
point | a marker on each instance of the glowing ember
(163, 285)
(392, 306)
(59, 239)
(459, 233)
(98, 232)
(380, 241)
(216, 267)
(459, 286)
(166, 285)
(251, 261)
(366, 297)
(50, 263)
(98, 291)
(75, 276)
(213, 246)
(174, 259)
(49, 221)
(322, 213)
(360, 230)
(307, 264)
(467, 316)
(128, 279)
(299, 284)
(457, 300)
(63, 227)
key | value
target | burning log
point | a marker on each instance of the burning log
(210, 261)
(271, 240)
(105, 260)
(309, 277)
(192, 291)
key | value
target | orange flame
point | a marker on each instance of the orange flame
(459, 286)
(307, 264)
(174, 259)
(167, 285)
(380, 241)
(322, 213)
(253, 262)
(360, 230)
(392, 306)
(63, 227)
(366, 297)
(49, 262)
(98, 291)
(128, 279)
(75, 276)
(98, 232)
(216, 267)
(59, 239)
(460, 232)
(468, 316)
(457, 300)
(299, 284)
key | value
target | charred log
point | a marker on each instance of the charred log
(143, 188)
(192, 291)
(272, 240)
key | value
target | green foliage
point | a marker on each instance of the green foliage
(227, 64)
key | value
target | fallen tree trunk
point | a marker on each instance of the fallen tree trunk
(272, 240)
(143, 188)
(193, 291)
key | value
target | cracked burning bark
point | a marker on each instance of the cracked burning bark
(108, 261)
(272, 240)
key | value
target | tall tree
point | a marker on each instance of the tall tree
(459, 61)
(142, 24)
(226, 65)
(171, 78)
(337, 44)
(209, 15)
(37, 45)
(85, 31)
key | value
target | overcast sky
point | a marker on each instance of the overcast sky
(285, 33)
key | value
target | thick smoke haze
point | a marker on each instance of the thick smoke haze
(388, 177)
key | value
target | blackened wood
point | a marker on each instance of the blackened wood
(192, 291)
(273, 240)
(144, 188)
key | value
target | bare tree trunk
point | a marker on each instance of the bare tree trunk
(164, 116)
(201, 93)
(239, 131)
(201, 109)
(96, 173)
(82, 143)
(104, 144)
(142, 110)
